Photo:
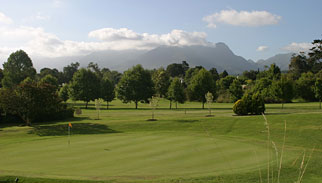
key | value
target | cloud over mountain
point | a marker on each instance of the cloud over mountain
(241, 18)
(298, 47)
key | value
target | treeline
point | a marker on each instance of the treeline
(178, 82)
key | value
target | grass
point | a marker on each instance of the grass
(183, 145)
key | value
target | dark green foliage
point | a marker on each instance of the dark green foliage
(161, 82)
(250, 74)
(214, 73)
(249, 104)
(49, 79)
(54, 72)
(318, 89)
(85, 86)
(201, 83)
(33, 102)
(189, 74)
(68, 72)
(107, 90)
(305, 86)
(283, 89)
(298, 65)
(1, 77)
(223, 74)
(224, 83)
(236, 90)
(135, 85)
(177, 70)
(17, 68)
(176, 91)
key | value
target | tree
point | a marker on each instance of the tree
(318, 90)
(200, 84)
(274, 72)
(161, 82)
(69, 70)
(32, 102)
(85, 86)
(305, 86)
(98, 104)
(209, 98)
(190, 73)
(54, 72)
(63, 92)
(250, 74)
(1, 77)
(236, 90)
(176, 92)
(283, 89)
(225, 82)
(298, 65)
(154, 103)
(177, 70)
(49, 79)
(223, 74)
(107, 90)
(17, 68)
(214, 74)
(135, 85)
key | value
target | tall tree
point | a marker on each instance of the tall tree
(63, 92)
(236, 90)
(298, 65)
(107, 90)
(69, 70)
(177, 70)
(223, 74)
(161, 82)
(305, 86)
(214, 74)
(85, 86)
(49, 79)
(17, 68)
(176, 92)
(135, 85)
(200, 84)
(283, 89)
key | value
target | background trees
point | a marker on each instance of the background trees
(200, 84)
(135, 85)
(161, 82)
(107, 90)
(18, 67)
(85, 86)
(176, 92)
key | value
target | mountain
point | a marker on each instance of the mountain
(218, 55)
(281, 60)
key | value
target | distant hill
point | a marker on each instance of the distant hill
(281, 60)
(218, 56)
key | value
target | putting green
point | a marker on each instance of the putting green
(129, 156)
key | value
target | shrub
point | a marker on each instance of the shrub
(240, 108)
(249, 104)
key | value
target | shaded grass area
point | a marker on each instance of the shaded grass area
(77, 129)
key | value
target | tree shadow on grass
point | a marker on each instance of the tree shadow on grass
(77, 129)
(186, 120)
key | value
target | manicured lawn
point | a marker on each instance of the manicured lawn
(183, 145)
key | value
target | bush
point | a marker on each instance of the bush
(240, 108)
(249, 104)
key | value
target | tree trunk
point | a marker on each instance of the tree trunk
(170, 104)
(203, 104)
(86, 105)
(28, 122)
(107, 105)
(176, 105)
(136, 104)
(320, 103)
(282, 105)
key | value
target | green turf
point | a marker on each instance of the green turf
(183, 145)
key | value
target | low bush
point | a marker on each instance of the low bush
(249, 104)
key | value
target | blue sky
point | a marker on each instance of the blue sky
(253, 29)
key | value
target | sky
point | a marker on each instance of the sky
(253, 29)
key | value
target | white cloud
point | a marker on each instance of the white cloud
(4, 19)
(242, 18)
(37, 42)
(298, 47)
(262, 48)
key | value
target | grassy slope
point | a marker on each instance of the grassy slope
(183, 143)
